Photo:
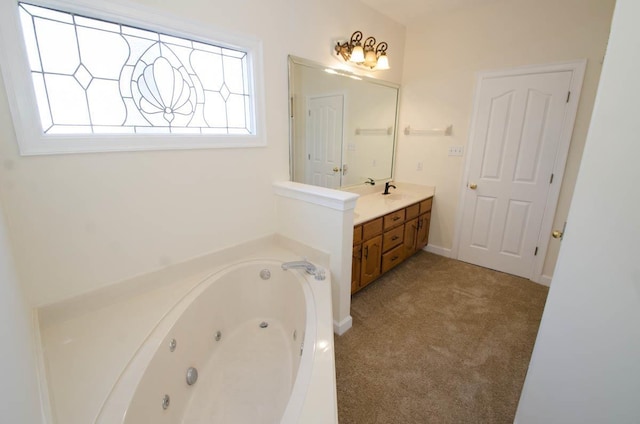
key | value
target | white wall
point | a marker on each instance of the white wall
(79, 222)
(443, 55)
(19, 401)
(585, 366)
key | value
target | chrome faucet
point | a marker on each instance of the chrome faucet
(370, 181)
(307, 266)
(387, 186)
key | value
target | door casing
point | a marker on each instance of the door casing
(577, 68)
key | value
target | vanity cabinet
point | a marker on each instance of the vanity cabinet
(382, 243)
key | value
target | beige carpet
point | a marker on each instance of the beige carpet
(437, 341)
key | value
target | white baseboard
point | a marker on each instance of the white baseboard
(545, 280)
(442, 251)
(343, 326)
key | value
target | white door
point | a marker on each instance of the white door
(324, 141)
(517, 128)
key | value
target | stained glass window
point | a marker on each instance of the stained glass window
(96, 77)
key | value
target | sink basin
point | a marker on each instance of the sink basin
(397, 196)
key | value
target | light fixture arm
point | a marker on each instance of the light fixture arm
(356, 37)
(370, 43)
(365, 53)
(381, 48)
(346, 48)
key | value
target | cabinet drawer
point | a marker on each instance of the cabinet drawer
(392, 238)
(425, 205)
(357, 234)
(392, 258)
(412, 211)
(371, 228)
(393, 219)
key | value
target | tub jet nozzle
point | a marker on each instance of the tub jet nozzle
(192, 376)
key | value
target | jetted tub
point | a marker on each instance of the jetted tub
(249, 332)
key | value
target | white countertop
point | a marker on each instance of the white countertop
(372, 203)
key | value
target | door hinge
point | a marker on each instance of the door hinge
(309, 112)
(551, 179)
(291, 107)
(536, 252)
(568, 96)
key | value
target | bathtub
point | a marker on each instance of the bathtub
(240, 347)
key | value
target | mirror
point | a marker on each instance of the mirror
(342, 126)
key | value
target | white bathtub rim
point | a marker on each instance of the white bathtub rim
(305, 368)
(116, 403)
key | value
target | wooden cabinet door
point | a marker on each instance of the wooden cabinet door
(371, 257)
(356, 268)
(410, 233)
(423, 230)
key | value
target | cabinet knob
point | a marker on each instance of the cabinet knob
(557, 234)
(336, 169)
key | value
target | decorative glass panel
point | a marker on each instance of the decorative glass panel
(96, 77)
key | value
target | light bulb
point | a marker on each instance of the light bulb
(383, 62)
(370, 58)
(357, 54)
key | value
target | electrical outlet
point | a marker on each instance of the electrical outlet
(456, 150)
(419, 166)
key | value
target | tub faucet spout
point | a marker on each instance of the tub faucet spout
(307, 266)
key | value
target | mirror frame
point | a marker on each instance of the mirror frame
(295, 60)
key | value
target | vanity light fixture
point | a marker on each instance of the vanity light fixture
(367, 53)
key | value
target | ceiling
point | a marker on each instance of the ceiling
(406, 11)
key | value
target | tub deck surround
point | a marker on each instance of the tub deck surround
(372, 204)
(87, 342)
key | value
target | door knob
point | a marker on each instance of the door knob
(557, 234)
(336, 169)
(473, 186)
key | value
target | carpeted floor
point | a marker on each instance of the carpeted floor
(437, 341)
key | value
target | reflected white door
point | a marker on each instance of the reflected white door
(324, 141)
(517, 128)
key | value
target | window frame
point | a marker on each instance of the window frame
(22, 100)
